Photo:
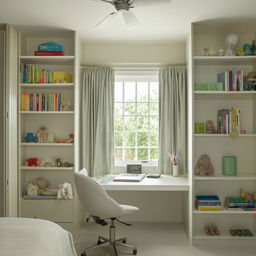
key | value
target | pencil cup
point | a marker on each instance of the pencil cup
(175, 170)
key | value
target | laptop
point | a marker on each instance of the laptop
(132, 177)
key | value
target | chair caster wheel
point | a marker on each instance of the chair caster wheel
(124, 241)
(83, 254)
(134, 252)
(99, 242)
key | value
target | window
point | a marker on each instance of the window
(136, 119)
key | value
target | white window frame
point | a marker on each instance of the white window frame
(137, 76)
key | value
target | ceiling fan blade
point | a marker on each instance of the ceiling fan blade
(106, 20)
(107, 1)
(150, 2)
(130, 19)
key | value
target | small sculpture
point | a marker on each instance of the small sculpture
(204, 166)
(32, 162)
(30, 137)
(231, 41)
(206, 51)
(42, 135)
(209, 127)
(64, 191)
(247, 49)
(66, 106)
(58, 162)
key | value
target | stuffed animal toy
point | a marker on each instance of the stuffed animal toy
(30, 137)
(43, 187)
(46, 162)
(204, 166)
(32, 190)
(64, 191)
(32, 162)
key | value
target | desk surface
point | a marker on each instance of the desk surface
(164, 183)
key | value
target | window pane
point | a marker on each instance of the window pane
(129, 123)
(142, 92)
(129, 109)
(119, 124)
(130, 154)
(154, 123)
(118, 154)
(118, 139)
(142, 123)
(130, 139)
(118, 109)
(142, 154)
(154, 154)
(154, 109)
(142, 109)
(118, 91)
(142, 139)
(154, 91)
(129, 92)
(154, 139)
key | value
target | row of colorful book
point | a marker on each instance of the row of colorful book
(208, 203)
(31, 74)
(233, 80)
(228, 121)
(41, 102)
(239, 202)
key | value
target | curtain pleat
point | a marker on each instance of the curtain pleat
(97, 97)
(172, 116)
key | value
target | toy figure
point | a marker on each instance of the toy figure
(46, 162)
(42, 135)
(210, 128)
(32, 190)
(58, 162)
(239, 51)
(253, 48)
(206, 51)
(65, 191)
(231, 40)
(29, 137)
(247, 49)
(32, 162)
(204, 166)
(66, 106)
(220, 52)
(71, 138)
(43, 187)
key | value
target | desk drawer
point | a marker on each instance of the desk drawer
(53, 210)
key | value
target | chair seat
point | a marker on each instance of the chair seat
(128, 210)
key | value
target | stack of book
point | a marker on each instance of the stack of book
(239, 202)
(232, 80)
(41, 101)
(228, 121)
(50, 49)
(208, 203)
(31, 74)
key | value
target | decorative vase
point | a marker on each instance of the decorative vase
(175, 170)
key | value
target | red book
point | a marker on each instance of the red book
(49, 53)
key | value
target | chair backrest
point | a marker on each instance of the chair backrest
(94, 198)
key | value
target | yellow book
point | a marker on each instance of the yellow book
(209, 208)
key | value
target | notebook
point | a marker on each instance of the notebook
(133, 177)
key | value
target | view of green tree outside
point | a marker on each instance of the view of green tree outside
(136, 121)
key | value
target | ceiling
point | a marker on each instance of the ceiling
(159, 22)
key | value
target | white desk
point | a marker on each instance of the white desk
(164, 183)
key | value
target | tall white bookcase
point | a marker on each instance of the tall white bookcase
(203, 105)
(60, 124)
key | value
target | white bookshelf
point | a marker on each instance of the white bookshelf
(58, 123)
(203, 105)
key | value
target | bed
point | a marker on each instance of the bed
(34, 237)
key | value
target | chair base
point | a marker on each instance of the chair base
(111, 242)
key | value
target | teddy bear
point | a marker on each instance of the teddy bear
(32, 162)
(43, 187)
(204, 166)
(65, 191)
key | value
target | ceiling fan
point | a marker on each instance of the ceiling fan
(123, 7)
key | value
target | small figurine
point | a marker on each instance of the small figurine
(247, 49)
(204, 166)
(66, 106)
(32, 162)
(29, 137)
(42, 135)
(46, 162)
(71, 138)
(65, 191)
(239, 51)
(210, 128)
(220, 52)
(32, 190)
(58, 162)
(231, 41)
(206, 51)
(253, 48)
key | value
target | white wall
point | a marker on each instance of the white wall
(133, 53)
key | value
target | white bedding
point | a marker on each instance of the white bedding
(34, 237)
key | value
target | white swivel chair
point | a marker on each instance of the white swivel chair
(101, 207)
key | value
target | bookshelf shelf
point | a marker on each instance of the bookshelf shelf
(47, 144)
(223, 236)
(32, 168)
(226, 178)
(224, 93)
(47, 59)
(224, 135)
(47, 86)
(224, 211)
(48, 112)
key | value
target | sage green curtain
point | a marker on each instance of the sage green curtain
(97, 97)
(172, 116)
